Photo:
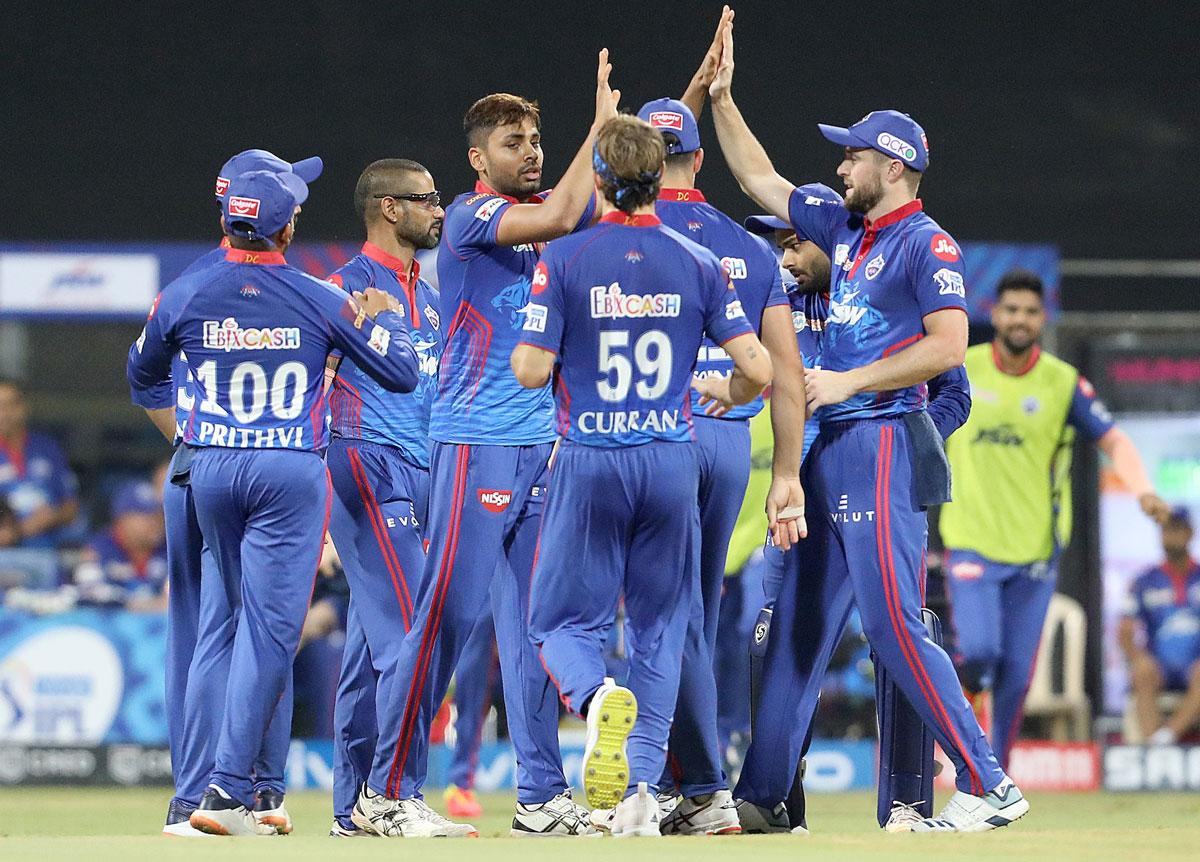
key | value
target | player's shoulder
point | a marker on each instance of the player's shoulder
(925, 237)
(477, 205)
(688, 247)
(1147, 578)
(37, 443)
(1061, 369)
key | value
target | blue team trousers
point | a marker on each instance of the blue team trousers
(263, 513)
(485, 509)
(377, 518)
(191, 732)
(865, 546)
(998, 614)
(694, 756)
(620, 522)
(474, 680)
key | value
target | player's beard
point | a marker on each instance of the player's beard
(1018, 347)
(864, 196)
(419, 239)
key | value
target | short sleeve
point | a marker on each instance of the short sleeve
(472, 224)
(724, 317)
(814, 217)
(589, 215)
(938, 272)
(1088, 415)
(545, 314)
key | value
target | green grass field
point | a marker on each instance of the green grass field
(97, 825)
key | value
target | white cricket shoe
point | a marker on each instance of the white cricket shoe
(221, 814)
(966, 813)
(269, 810)
(755, 819)
(376, 814)
(610, 717)
(636, 816)
(710, 814)
(178, 825)
(667, 803)
(903, 817)
(337, 830)
(561, 816)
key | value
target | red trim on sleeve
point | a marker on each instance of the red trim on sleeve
(538, 346)
(15, 453)
(681, 195)
(261, 258)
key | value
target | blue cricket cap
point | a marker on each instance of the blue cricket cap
(814, 193)
(258, 204)
(262, 160)
(136, 497)
(1181, 515)
(892, 133)
(673, 116)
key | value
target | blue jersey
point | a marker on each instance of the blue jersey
(33, 474)
(360, 407)
(887, 276)
(1167, 602)
(181, 376)
(1087, 413)
(747, 258)
(485, 288)
(256, 333)
(109, 574)
(624, 307)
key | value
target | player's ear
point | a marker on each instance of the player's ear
(477, 159)
(697, 160)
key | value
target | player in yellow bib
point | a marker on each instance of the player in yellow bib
(1011, 514)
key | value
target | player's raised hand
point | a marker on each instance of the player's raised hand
(824, 387)
(607, 98)
(785, 512)
(712, 59)
(375, 301)
(1155, 507)
(723, 80)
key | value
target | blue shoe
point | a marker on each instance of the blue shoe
(177, 825)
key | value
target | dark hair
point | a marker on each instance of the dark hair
(628, 158)
(1021, 279)
(380, 177)
(498, 109)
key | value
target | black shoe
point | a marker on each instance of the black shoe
(179, 811)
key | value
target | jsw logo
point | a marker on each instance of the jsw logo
(847, 315)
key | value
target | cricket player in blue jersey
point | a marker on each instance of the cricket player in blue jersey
(632, 298)
(897, 317)
(193, 740)
(491, 444)
(378, 461)
(256, 333)
(694, 761)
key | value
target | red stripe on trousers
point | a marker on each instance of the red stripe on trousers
(417, 685)
(382, 539)
(891, 588)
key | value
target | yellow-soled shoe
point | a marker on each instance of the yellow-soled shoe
(610, 719)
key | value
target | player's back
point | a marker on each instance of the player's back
(749, 262)
(633, 300)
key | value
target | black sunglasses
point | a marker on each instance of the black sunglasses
(431, 199)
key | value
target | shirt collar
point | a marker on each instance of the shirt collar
(896, 215)
(618, 217)
(681, 195)
(1034, 355)
(484, 188)
(225, 243)
(407, 276)
(263, 258)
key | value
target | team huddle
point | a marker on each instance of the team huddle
(559, 429)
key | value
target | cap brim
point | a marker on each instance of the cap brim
(764, 224)
(308, 169)
(295, 185)
(840, 136)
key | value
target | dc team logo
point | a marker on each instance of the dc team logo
(666, 120)
(874, 267)
(222, 186)
(244, 207)
(433, 317)
(493, 500)
(943, 248)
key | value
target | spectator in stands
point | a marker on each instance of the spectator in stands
(1165, 600)
(126, 565)
(35, 480)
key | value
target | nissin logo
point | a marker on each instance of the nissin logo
(493, 500)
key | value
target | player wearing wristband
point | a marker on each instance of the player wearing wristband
(634, 298)
(256, 333)
(1011, 514)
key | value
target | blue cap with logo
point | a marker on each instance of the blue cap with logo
(671, 116)
(136, 498)
(258, 204)
(892, 133)
(262, 160)
(764, 224)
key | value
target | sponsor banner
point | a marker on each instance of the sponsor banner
(1050, 766)
(82, 678)
(120, 765)
(1152, 768)
(56, 283)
